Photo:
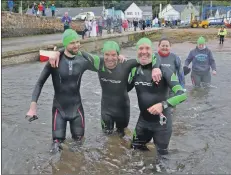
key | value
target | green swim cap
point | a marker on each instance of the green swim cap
(111, 46)
(201, 40)
(144, 41)
(68, 36)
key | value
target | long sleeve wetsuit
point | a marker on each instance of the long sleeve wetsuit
(115, 103)
(174, 63)
(67, 105)
(148, 94)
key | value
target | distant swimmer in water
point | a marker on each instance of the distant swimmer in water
(113, 76)
(202, 60)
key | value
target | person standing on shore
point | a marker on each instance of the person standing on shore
(222, 32)
(66, 21)
(53, 8)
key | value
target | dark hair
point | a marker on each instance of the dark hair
(164, 39)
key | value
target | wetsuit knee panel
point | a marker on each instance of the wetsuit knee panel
(59, 134)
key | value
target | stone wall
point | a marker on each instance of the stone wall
(17, 25)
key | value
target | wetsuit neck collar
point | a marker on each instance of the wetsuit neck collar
(69, 58)
(163, 54)
(68, 55)
(146, 66)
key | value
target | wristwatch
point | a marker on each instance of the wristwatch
(164, 104)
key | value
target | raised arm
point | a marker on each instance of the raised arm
(156, 72)
(95, 62)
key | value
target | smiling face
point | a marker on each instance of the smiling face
(164, 46)
(73, 47)
(201, 46)
(110, 59)
(144, 54)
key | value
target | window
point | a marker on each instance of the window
(135, 13)
(129, 13)
(138, 13)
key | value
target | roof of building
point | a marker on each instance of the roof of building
(179, 8)
(73, 11)
(146, 8)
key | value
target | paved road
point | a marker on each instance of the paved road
(18, 43)
(29, 41)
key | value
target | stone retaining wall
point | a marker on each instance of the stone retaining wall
(17, 25)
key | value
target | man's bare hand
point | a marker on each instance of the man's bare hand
(32, 113)
(54, 59)
(122, 58)
(156, 75)
(156, 109)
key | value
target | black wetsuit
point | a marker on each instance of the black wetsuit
(67, 105)
(115, 103)
(148, 93)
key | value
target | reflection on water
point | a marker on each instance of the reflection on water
(200, 141)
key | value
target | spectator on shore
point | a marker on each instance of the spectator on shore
(44, 8)
(109, 24)
(53, 8)
(135, 24)
(119, 23)
(85, 31)
(148, 22)
(93, 31)
(40, 8)
(156, 22)
(143, 24)
(66, 20)
(10, 4)
(89, 28)
(35, 9)
(125, 25)
(100, 26)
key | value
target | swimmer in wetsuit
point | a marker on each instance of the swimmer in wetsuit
(113, 77)
(153, 101)
(115, 102)
(67, 105)
(170, 60)
(202, 59)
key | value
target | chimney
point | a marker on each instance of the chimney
(160, 14)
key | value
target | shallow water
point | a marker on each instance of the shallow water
(200, 141)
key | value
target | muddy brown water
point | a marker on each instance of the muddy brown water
(200, 141)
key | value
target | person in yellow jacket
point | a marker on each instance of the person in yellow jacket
(222, 32)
